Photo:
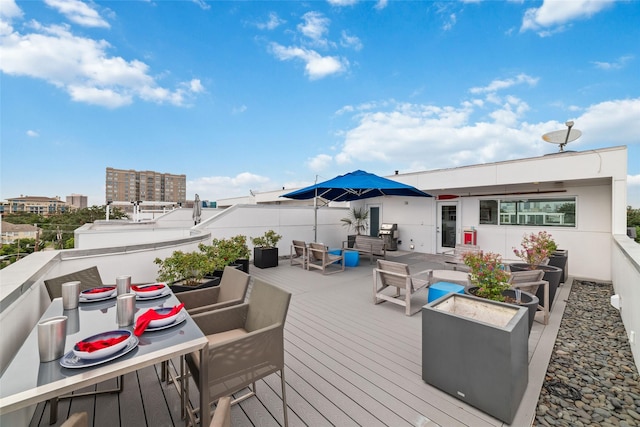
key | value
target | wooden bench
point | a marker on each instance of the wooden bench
(368, 245)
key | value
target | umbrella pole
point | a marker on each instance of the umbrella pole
(315, 217)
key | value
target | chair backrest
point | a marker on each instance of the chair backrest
(400, 273)
(317, 251)
(526, 276)
(268, 305)
(234, 284)
(89, 278)
(298, 246)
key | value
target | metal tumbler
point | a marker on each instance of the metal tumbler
(52, 334)
(70, 295)
(123, 283)
(125, 309)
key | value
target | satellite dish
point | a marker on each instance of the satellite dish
(563, 137)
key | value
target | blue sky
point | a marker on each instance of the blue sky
(260, 95)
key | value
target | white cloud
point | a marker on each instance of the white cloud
(320, 162)
(217, 187)
(555, 14)
(83, 68)
(9, 10)
(316, 65)
(315, 27)
(239, 110)
(615, 65)
(381, 4)
(633, 180)
(347, 40)
(32, 134)
(428, 137)
(497, 85)
(272, 23)
(344, 2)
(79, 13)
(203, 4)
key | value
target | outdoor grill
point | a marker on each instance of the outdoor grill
(389, 233)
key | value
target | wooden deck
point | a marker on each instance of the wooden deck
(348, 363)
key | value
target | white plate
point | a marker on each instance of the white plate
(165, 321)
(70, 360)
(87, 295)
(105, 352)
(83, 299)
(164, 293)
(181, 317)
(149, 294)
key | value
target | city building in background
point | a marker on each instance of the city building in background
(78, 201)
(12, 233)
(36, 205)
(128, 185)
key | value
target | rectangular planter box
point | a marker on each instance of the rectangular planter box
(477, 351)
(206, 283)
(265, 257)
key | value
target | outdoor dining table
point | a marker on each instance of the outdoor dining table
(26, 381)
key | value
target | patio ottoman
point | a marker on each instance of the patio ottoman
(351, 258)
(441, 289)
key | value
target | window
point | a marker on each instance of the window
(544, 212)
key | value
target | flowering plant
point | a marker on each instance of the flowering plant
(488, 274)
(536, 247)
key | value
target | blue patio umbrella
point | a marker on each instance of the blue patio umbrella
(355, 185)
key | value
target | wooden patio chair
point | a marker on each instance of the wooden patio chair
(397, 276)
(321, 259)
(89, 278)
(529, 281)
(222, 414)
(231, 291)
(299, 253)
(246, 344)
(454, 257)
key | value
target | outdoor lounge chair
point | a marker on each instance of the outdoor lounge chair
(529, 281)
(89, 278)
(299, 253)
(246, 343)
(397, 276)
(321, 259)
(231, 291)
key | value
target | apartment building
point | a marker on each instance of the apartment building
(36, 205)
(128, 185)
(78, 201)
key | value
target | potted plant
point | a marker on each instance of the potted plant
(358, 221)
(490, 280)
(224, 252)
(535, 252)
(265, 251)
(185, 271)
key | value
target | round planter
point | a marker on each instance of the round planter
(559, 259)
(528, 300)
(551, 274)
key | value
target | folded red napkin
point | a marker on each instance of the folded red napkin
(98, 290)
(143, 321)
(147, 288)
(92, 346)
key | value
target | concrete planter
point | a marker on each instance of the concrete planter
(560, 259)
(529, 301)
(477, 351)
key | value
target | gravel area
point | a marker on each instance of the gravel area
(591, 379)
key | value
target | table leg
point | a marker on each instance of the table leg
(205, 407)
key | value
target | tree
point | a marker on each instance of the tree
(633, 220)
